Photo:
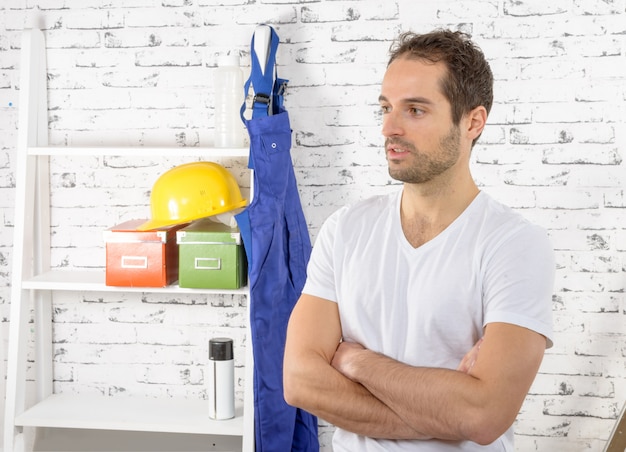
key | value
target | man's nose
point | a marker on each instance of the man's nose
(392, 125)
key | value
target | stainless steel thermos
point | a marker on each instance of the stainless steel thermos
(221, 379)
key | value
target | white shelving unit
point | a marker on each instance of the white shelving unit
(33, 283)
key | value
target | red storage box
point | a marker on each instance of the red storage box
(141, 258)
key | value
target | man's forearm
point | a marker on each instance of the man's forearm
(331, 396)
(434, 408)
(478, 402)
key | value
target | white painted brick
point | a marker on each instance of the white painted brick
(597, 90)
(552, 68)
(541, 134)
(95, 334)
(254, 14)
(600, 220)
(356, 74)
(606, 176)
(5, 80)
(164, 77)
(607, 302)
(606, 328)
(163, 335)
(78, 39)
(542, 26)
(179, 57)
(583, 386)
(582, 155)
(377, 54)
(531, 428)
(88, 99)
(511, 114)
(598, 47)
(300, 75)
(106, 374)
(162, 17)
(590, 282)
(591, 428)
(571, 112)
(63, 80)
(595, 263)
(339, 53)
(535, 8)
(16, 19)
(451, 11)
(167, 375)
(614, 24)
(540, 176)
(140, 119)
(516, 198)
(610, 67)
(128, 38)
(581, 240)
(103, 58)
(522, 91)
(82, 19)
(526, 49)
(597, 7)
(377, 11)
(8, 120)
(320, 13)
(589, 407)
(568, 199)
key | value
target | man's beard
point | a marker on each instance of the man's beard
(427, 165)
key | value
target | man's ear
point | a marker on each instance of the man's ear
(475, 122)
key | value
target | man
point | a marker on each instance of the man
(426, 312)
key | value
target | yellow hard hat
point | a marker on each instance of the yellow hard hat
(192, 191)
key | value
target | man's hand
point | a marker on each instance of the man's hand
(468, 361)
(349, 351)
(346, 351)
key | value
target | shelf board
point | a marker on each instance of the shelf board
(138, 151)
(94, 281)
(129, 413)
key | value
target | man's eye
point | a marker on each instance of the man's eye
(416, 111)
(384, 108)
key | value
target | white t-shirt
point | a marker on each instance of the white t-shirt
(427, 306)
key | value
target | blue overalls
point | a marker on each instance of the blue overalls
(278, 248)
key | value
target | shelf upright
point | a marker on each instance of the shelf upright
(31, 239)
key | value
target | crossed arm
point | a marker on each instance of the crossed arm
(373, 395)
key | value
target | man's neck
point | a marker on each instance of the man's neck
(426, 210)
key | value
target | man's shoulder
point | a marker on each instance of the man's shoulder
(372, 205)
(361, 215)
(501, 221)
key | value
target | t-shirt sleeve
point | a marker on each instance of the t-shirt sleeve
(519, 281)
(321, 276)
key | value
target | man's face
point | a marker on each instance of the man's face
(421, 143)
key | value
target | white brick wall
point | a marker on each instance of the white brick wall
(131, 72)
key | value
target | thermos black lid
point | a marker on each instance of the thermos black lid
(221, 349)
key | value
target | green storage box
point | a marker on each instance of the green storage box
(211, 256)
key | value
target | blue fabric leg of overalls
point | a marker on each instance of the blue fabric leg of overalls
(279, 251)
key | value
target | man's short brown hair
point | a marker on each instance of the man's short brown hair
(469, 81)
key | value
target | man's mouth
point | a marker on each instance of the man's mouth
(395, 147)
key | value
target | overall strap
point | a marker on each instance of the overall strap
(268, 90)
